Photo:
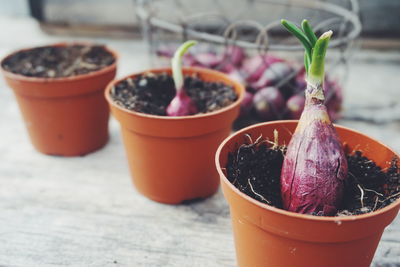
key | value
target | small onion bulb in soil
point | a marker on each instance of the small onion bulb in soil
(181, 104)
(315, 165)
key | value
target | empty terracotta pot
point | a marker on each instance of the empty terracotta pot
(171, 158)
(268, 236)
(64, 116)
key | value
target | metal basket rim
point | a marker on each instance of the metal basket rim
(350, 15)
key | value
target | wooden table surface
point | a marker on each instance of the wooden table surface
(84, 211)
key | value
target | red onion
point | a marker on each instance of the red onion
(236, 75)
(207, 59)
(232, 71)
(315, 166)
(235, 55)
(295, 106)
(268, 103)
(181, 105)
(255, 66)
(275, 72)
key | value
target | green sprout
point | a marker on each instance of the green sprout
(315, 49)
(177, 63)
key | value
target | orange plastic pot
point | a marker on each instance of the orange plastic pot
(268, 236)
(171, 158)
(64, 116)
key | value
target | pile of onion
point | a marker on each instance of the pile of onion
(274, 89)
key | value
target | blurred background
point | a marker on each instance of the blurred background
(147, 32)
(379, 18)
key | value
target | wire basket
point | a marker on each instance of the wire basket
(253, 26)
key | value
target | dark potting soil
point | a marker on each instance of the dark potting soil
(150, 93)
(56, 62)
(255, 169)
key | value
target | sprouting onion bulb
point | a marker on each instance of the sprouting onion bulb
(181, 104)
(315, 166)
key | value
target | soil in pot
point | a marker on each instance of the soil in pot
(255, 169)
(59, 61)
(151, 93)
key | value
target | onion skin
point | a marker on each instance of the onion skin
(315, 166)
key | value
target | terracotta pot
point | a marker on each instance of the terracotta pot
(268, 236)
(64, 116)
(171, 158)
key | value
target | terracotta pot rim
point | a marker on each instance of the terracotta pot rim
(89, 75)
(176, 118)
(288, 213)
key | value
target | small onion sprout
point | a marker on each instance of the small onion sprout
(181, 104)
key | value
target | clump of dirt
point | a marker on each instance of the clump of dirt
(368, 187)
(151, 93)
